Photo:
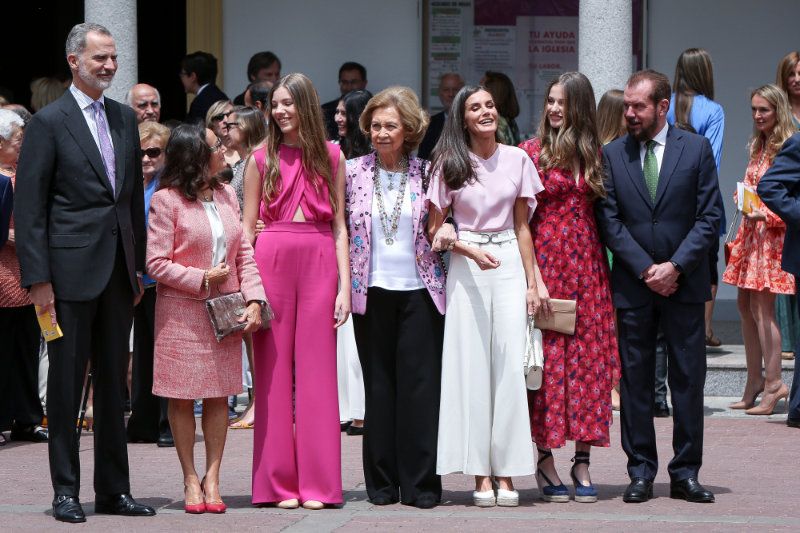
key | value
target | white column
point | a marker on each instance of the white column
(605, 53)
(119, 16)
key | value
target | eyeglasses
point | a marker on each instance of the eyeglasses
(152, 153)
(216, 146)
(217, 118)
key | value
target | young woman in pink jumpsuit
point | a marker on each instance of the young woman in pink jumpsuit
(295, 184)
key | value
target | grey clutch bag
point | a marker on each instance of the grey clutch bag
(226, 310)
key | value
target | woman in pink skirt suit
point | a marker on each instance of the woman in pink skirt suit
(296, 186)
(196, 250)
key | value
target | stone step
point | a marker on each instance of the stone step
(727, 371)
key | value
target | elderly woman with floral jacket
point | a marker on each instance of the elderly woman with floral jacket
(398, 289)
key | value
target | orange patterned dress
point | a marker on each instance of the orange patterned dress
(755, 262)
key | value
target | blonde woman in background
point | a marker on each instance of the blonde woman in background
(755, 262)
(45, 91)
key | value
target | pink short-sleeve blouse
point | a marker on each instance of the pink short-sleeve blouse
(487, 204)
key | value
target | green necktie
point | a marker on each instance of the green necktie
(651, 170)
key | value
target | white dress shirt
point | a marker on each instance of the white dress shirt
(658, 149)
(85, 103)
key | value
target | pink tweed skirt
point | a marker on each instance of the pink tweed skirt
(188, 362)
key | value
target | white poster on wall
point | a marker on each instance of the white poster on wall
(493, 48)
(449, 48)
(546, 47)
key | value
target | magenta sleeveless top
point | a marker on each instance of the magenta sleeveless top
(295, 188)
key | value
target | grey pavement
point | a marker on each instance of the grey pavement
(749, 462)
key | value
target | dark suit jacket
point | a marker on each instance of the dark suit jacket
(779, 189)
(202, 102)
(67, 220)
(431, 136)
(329, 114)
(6, 206)
(681, 225)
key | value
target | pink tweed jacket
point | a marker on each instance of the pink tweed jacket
(179, 247)
(358, 212)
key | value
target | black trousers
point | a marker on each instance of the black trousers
(148, 419)
(19, 361)
(684, 334)
(399, 342)
(100, 329)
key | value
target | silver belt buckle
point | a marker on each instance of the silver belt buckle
(486, 238)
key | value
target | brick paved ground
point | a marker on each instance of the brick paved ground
(751, 465)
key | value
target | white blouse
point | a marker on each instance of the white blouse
(218, 242)
(393, 266)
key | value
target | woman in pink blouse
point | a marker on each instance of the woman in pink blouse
(297, 188)
(489, 189)
(196, 250)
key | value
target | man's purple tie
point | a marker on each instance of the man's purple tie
(106, 149)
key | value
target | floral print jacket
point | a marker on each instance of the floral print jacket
(358, 213)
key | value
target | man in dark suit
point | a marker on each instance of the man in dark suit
(352, 77)
(79, 208)
(263, 66)
(779, 189)
(449, 85)
(199, 75)
(659, 218)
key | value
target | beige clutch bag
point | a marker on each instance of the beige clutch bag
(562, 319)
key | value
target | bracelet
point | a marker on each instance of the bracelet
(205, 279)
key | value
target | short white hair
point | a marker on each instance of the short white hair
(129, 96)
(8, 121)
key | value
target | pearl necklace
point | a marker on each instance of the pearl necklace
(389, 224)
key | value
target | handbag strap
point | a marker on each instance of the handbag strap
(731, 233)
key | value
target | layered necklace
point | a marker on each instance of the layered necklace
(389, 224)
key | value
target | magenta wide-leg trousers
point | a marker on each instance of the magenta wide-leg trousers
(297, 446)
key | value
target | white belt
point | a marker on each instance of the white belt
(480, 237)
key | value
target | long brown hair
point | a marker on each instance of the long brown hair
(577, 136)
(694, 75)
(610, 113)
(784, 127)
(785, 68)
(311, 135)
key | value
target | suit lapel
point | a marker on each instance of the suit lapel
(115, 124)
(77, 127)
(633, 163)
(672, 153)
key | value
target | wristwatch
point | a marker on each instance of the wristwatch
(450, 220)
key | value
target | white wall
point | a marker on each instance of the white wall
(746, 39)
(316, 36)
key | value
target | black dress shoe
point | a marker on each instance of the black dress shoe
(425, 501)
(121, 504)
(32, 433)
(691, 490)
(166, 441)
(354, 430)
(640, 490)
(792, 423)
(68, 509)
(382, 500)
(661, 410)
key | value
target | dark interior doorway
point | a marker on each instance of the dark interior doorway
(36, 32)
